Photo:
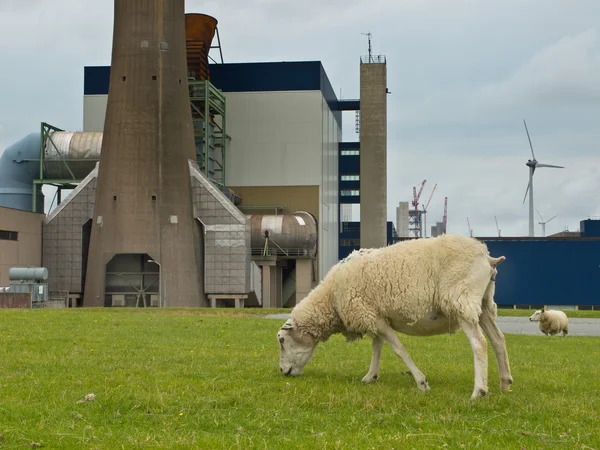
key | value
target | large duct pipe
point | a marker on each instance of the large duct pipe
(199, 33)
(19, 166)
(290, 235)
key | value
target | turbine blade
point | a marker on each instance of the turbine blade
(530, 145)
(526, 191)
(551, 218)
(549, 165)
(541, 218)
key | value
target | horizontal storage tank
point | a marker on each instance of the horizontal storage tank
(27, 273)
(290, 235)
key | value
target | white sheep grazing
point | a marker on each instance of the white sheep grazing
(422, 287)
(551, 321)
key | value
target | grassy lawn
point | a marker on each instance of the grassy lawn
(208, 379)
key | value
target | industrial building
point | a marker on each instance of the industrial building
(265, 193)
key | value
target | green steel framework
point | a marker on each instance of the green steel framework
(209, 102)
(205, 99)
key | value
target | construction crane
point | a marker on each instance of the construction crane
(416, 196)
(445, 221)
(416, 214)
(470, 230)
(497, 229)
(425, 207)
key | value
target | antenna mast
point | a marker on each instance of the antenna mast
(368, 34)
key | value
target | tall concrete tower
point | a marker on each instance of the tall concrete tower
(373, 151)
(143, 218)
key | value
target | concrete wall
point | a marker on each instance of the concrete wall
(402, 219)
(27, 249)
(15, 300)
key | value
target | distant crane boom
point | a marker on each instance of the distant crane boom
(425, 211)
(416, 196)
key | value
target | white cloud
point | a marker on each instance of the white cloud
(563, 74)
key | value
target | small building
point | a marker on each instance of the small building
(20, 240)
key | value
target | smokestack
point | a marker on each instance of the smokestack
(199, 33)
(143, 215)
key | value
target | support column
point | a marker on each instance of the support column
(303, 278)
(271, 285)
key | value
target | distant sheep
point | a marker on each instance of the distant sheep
(551, 321)
(422, 287)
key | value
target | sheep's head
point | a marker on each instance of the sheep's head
(295, 349)
(537, 316)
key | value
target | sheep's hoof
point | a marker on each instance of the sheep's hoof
(368, 378)
(505, 384)
(423, 386)
(478, 393)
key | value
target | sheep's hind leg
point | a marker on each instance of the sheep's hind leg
(488, 323)
(375, 358)
(391, 337)
(479, 346)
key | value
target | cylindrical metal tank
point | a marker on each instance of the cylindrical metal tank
(80, 150)
(27, 273)
(290, 235)
(199, 33)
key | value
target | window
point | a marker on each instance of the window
(6, 235)
(350, 177)
(350, 242)
(350, 192)
(350, 152)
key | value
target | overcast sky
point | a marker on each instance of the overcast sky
(463, 76)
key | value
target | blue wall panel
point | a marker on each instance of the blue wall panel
(553, 272)
(590, 228)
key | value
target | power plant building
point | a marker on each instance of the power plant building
(230, 189)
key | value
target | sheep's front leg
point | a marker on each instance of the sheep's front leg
(479, 346)
(391, 337)
(375, 357)
(488, 323)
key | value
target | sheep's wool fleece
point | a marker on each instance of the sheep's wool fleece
(404, 281)
(552, 321)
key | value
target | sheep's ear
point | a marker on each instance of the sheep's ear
(288, 325)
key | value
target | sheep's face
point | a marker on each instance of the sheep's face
(295, 349)
(536, 316)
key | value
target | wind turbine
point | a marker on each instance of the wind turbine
(532, 164)
(542, 223)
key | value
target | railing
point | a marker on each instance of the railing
(275, 251)
(372, 59)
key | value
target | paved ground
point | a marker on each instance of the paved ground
(522, 325)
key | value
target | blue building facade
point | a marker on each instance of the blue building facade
(547, 271)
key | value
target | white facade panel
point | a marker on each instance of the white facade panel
(275, 138)
(329, 223)
(94, 111)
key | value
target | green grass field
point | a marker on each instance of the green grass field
(210, 379)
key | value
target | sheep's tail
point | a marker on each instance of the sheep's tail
(496, 261)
